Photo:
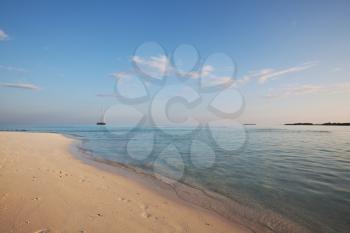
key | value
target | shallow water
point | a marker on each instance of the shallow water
(298, 173)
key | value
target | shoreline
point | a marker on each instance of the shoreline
(44, 186)
(169, 190)
(253, 219)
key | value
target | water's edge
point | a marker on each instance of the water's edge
(254, 219)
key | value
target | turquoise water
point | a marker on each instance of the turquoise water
(298, 173)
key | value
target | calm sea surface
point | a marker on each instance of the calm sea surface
(299, 173)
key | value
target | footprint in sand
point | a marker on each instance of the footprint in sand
(4, 197)
(144, 207)
(83, 179)
(145, 215)
(123, 199)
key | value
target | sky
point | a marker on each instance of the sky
(61, 62)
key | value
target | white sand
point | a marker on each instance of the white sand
(43, 187)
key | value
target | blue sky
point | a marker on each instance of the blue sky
(57, 57)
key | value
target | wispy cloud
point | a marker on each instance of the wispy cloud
(154, 65)
(309, 89)
(158, 66)
(3, 35)
(209, 77)
(269, 74)
(12, 68)
(121, 75)
(27, 86)
(206, 71)
(274, 74)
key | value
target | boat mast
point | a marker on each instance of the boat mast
(102, 119)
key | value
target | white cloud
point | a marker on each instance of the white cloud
(191, 74)
(120, 75)
(265, 75)
(206, 71)
(20, 86)
(159, 65)
(220, 80)
(309, 89)
(3, 35)
(271, 74)
(11, 68)
(208, 76)
(154, 64)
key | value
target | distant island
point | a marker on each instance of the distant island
(299, 124)
(326, 124)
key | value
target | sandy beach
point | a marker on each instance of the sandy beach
(44, 188)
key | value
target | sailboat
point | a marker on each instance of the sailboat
(102, 119)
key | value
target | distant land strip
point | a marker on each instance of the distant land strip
(326, 124)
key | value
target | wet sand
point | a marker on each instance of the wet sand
(44, 188)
